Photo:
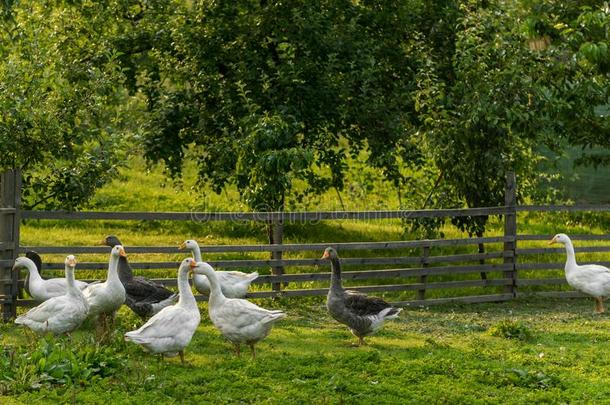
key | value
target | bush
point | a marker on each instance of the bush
(529, 379)
(55, 362)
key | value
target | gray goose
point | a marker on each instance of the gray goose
(362, 314)
(142, 296)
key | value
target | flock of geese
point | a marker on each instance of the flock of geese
(173, 318)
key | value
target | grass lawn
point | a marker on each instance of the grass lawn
(523, 351)
(526, 351)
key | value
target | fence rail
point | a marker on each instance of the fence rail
(278, 248)
(264, 216)
(487, 267)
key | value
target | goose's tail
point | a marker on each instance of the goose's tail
(158, 306)
(384, 315)
(274, 316)
(390, 313)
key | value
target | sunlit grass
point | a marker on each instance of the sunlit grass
(443, 354)
(439, 354)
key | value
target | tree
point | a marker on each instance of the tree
(508, 85)
(61, 100)
(272, 92)
(577, 38)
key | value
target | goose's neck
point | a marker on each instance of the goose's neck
(113, 274)
(71, 290)
(215, 290)
(33, 272)
(125, 273)
(335, 275)
(186, 297)
(197, 254)
(571, 257)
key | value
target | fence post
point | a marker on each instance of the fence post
(276, 237)
(10, 197)
(510, 231)
(421, 294)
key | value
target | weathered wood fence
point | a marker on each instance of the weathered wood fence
(415, 265)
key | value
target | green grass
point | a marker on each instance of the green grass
(523, 351)
(445, 354)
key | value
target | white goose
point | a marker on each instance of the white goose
(591, 279)
(61, 314)
(105, 298)
(239, 320)
(171, 329)
(41, 289)
(234, 284)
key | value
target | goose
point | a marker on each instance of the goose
(35, 257)
(234, 284)
(591, 279)
(171, 329)
(105, 298)
(39, 288)
(61, 314)
(239, 320)
(363, 315)
(142, 296)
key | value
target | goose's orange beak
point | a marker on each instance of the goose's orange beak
(325, 255)
(102, 242)
(182, 246)
(554, 240)
(122, 252)
(72, 262)
(193, 264)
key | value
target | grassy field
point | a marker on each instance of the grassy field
(524, 351)
(516, 353)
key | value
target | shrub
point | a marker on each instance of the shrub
(530, 379)
(55, 362)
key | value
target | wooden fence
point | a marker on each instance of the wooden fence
(421, 265)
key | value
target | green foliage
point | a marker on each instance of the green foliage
(62, 101)
(514, 77)
(273, 92)
(578, 40)
(443, 96)
(531, 379)
(55, 362)
(511, 329)
(479, 120)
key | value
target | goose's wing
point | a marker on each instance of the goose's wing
(55, 286)
(94, 289)
(596, 269)
(235, 276)
(142, 289)
(59, 286)
(146, 309)
(166, 324)
(591, 275)
(81, 285)
(47, 309)
(362, 304)
(241, 313)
